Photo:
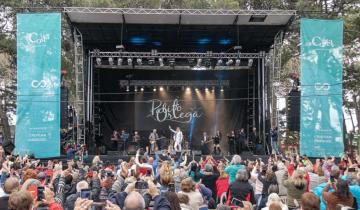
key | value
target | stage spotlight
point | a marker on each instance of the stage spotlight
(151, 61)
(120, 61)
(172, 62)
(206, 89)
(111, 61)
(98, 61)
(207, 62)
(142, 89)
(161, 62)
(139, 61)
(135, 89)
(154, 89)
(196, 89)
(127, 88)
(222, 89)
(250, 62)
(237, 62)
(229, 62)
(213, 89)
(161, 89)
(188, 89)
(199, 60)
(219, 62)
(129, 61)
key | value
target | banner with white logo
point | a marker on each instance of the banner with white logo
(38, 84)
(321, 121)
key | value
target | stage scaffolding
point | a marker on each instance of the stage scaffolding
(262, 103)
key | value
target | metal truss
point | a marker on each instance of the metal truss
(191, 83)
(79, 77)
(139, 11)
(183, 55)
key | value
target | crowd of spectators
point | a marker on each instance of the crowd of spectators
(176, 182)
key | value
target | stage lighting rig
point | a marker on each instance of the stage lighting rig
(222, 89)
(171, 62)
(237, 62)
(139, 61)
(219, 62)
(142, 89)
(207, 62)
(121, 47)
(198, 63)
(151, 61)
(98, 61)
(119, 61)
(127, 88)
(250, 62)
(129, 61)
(111, 61)
(154, 89)
(161, 89)
(229, 62)
(136, 89)
(161, 62)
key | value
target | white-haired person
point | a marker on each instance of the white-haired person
(233, 168)
(274, 198)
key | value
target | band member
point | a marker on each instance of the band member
(255, 139)
(115, 136)
(178, 137)
(241, 140)
(217, 139)
(231, 139)
(205, 139)
(153, 137)
(136, 138)
(124, 137)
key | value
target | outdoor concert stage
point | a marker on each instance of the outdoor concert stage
(201, 70)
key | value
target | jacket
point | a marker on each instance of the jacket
(293, 193)
(266, 183)
(232, 170)
(332, 200)
(242, 191)
(70, 201)
(209, 180)
(279, 177)
(222, 185)
(195, 199)
(4, 202)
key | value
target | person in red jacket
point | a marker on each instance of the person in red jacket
(222, 183)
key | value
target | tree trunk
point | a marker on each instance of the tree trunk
(4, 123)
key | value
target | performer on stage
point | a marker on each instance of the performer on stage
(153, 137)
(255, 139)
(115, 139)
(274, 140)
(231, 139)
(136, 138)
(124, 138)
(205, 139)
(217, 139)
(241, 140)
(178, 137)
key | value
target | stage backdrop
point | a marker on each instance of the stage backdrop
(321, 124)
(38, 84)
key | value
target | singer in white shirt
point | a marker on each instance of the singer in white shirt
(178, 137)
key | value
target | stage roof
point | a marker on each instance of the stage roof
(193, 30)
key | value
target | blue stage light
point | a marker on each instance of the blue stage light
(137, 40)
(225, 41)
(203, 41)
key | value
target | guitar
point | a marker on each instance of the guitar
(205, 142)
(152, 141)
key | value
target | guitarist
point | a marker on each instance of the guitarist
(152, 139)
(204, 146)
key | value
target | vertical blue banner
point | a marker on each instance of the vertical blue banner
(321, 120)
(38, 84)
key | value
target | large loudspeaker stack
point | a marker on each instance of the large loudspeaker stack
(293, 112)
